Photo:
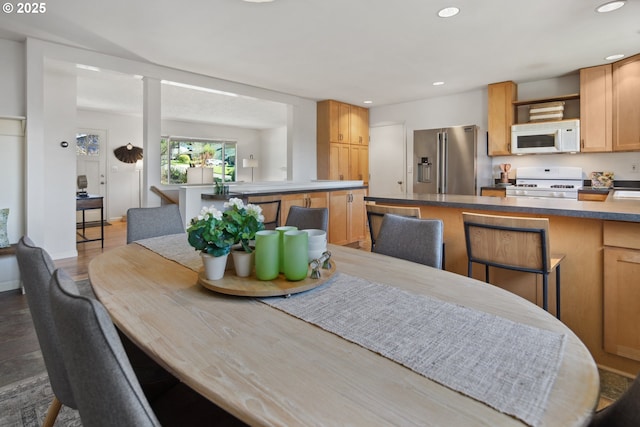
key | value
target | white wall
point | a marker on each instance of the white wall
(11, 195)
(12, 81)
(59, 178)
(272, 157)
(12, 104)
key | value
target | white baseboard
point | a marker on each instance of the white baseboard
(9, 285)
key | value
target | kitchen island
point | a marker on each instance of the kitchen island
(601, 241)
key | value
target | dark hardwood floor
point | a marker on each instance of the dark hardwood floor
(20, 356)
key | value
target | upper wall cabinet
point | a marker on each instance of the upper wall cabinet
(610, 107)
(342, 141)
(359, 128)
(596, 109)
(501, 111)
(626, 104)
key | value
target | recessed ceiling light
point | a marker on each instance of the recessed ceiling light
(610, 6)
(613, 57)
(448, 12)
(367, 102)
(437, 83)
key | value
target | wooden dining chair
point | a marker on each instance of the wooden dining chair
(144, 223)
(36, 268)
(413, 239)
(105, 386)
(376, 212)
(271, 213)
(513, 243)
(308, 218)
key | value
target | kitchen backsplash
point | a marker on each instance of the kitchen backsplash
(621, 164)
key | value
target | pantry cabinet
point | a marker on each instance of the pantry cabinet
(359, 128)
(359, 163)
(501, 115)
(626, 104)
(621, 288)
(342, 141)
(347, 223)
(338, 162)
(596, 109)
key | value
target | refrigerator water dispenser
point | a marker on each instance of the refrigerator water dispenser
(424, 170)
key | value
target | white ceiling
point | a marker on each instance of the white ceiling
(351, 50)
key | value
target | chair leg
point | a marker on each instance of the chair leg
(469, 269)
(558, 292)
(545, 291)
(52, 412)
(486, 273)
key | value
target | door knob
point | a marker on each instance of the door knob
(400, 182)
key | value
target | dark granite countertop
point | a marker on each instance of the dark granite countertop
(612, 209)
(276, 191)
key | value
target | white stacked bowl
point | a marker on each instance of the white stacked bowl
(317, 243)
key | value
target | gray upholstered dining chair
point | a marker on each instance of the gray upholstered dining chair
(412, 239)
(101, 377)
(36, 268)
(624, 412)
(306, 218)
(144, 223)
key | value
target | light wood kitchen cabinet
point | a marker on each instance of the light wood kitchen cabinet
(501, 115)
(622, 289)
(341, 126)
(359, 163)
(493, 192)
(306, 200)
(359, 129)
(338, 164)
(596, 109)
(592, 197)
(347, 215)
(337, 116)
(626, 104)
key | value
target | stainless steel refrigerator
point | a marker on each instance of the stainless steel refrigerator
(450, 161)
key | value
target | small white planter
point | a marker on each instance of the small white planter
(214, 266)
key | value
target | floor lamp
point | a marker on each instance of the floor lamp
(139, 167)
(250, 163)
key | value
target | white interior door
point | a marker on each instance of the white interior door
(91, 161)
(387, 164)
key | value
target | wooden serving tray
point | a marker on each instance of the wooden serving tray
(231, 284)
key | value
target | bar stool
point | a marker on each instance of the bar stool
(513, 243)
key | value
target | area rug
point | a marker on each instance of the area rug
(25, 403)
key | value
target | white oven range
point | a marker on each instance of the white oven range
(547, 182)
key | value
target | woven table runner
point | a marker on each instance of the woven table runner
(509, 366)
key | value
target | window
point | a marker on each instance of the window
(214, 158)
(87, 144)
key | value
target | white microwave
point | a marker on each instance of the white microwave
(546, 137)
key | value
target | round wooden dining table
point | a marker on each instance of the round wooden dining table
(269, 368)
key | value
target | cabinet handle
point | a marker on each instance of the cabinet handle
(341, 178)
(582, 143)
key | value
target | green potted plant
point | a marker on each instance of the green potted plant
(242, 222)
(209, 233)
